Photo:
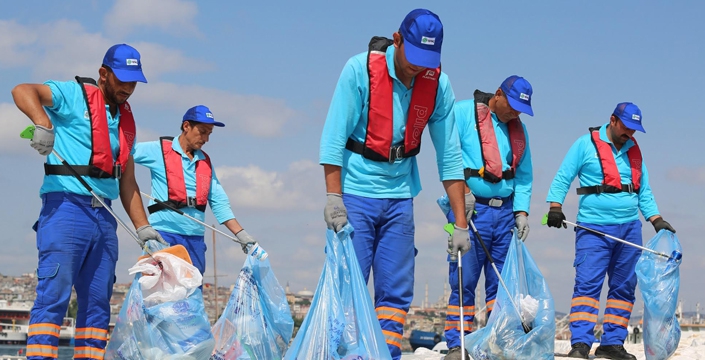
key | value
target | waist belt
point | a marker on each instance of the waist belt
(82, 170)
(395, 152)
(164, 205)
(492, 202)
(506, 175)
(76, 198)
(608, 189)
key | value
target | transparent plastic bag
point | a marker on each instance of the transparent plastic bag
(166, 327)
(341, 323)
(256, 322)
(504, 337)
(659, 282)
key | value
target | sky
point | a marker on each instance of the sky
(268, 70)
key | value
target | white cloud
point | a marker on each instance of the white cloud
(254, 187)
(255, 115)
(173, 16)
(13, 123)
(14, 42)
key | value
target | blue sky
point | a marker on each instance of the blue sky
(268, 70)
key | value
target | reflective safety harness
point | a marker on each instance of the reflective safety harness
(612, 181)
(101, 164)
(176, 184)
(492, 160)
(380, 116)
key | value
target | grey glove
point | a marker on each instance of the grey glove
(146, 233)
(459, 240)
(42, 140)
(469, 206)
(334, 213)
(522, 226)
(245, 239)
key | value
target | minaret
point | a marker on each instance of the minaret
(697, 313)
(425, 302)
(680, 310)
(286, 291)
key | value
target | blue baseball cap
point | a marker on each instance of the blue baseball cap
(202, 114)
(630, 116)
(423, 36)
(518, 92)
(125, 62)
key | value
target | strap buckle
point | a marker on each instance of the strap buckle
(396, 153)
(628, 187)
(95, 203)
(117, 171)
(191, 201)
(494, 202)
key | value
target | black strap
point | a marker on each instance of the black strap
(395, 152)
(165, 205)
(506, 175)
(608, 189)
(82, 170)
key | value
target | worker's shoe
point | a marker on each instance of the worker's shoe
(615, 352)
(580, 351)
(455, 354)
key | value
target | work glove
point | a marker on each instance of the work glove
(556, 217)
(335, 214)
(459, 240)
(146, 233)
(522, 226)
(42, 140)
(661, 224)
(245, 239)
(469, 206)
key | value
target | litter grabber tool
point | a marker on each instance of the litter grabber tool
(178, 211)
(449, 229)
(28, 133)
(675, 255)
(526, 327)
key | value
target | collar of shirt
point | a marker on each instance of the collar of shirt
(176, 146)
(605, 138)
(389, 55)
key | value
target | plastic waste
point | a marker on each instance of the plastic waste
(341, 323)
(503, 337)
(659, 282)
(256, 322)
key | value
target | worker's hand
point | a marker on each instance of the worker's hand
(42, 140)
(459, 240)
(660, 224)
(556, 217)
(146, 233)
(335, 214)
(469, 206)
(522, 226)
(245, 240)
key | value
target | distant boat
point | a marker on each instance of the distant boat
(14, 324)
(424, 339)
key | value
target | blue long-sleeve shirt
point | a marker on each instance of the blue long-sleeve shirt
(603, 209)
(521, 185)
(72, 131)
(347, 117)
(149, 154)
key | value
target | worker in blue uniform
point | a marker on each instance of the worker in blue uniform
(614, 187)
(384, 99)
(184, 178)
(91, 125)
(499, 176)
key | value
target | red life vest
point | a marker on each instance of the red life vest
(175, 183)
(380, 116)
(492, 160)
(101, 164)
(612, 181)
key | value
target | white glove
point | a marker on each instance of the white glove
(245, 239)
(335, 214)
(522, 226)
(146, 233)
(42, 140)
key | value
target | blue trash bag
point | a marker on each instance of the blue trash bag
(659, 281)
(503, 337)
(163, 330)
(256, 322)
(341, 323)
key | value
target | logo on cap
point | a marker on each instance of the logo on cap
(636, 117)
(209, 115)
(524, 96)
(428, 40)
(132, 62)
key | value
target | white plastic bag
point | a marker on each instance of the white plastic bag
(176, 281)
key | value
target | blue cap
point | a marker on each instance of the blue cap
(630, 116)
(518, 92)
(125, 62)
(202, 114)
(423, 36)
